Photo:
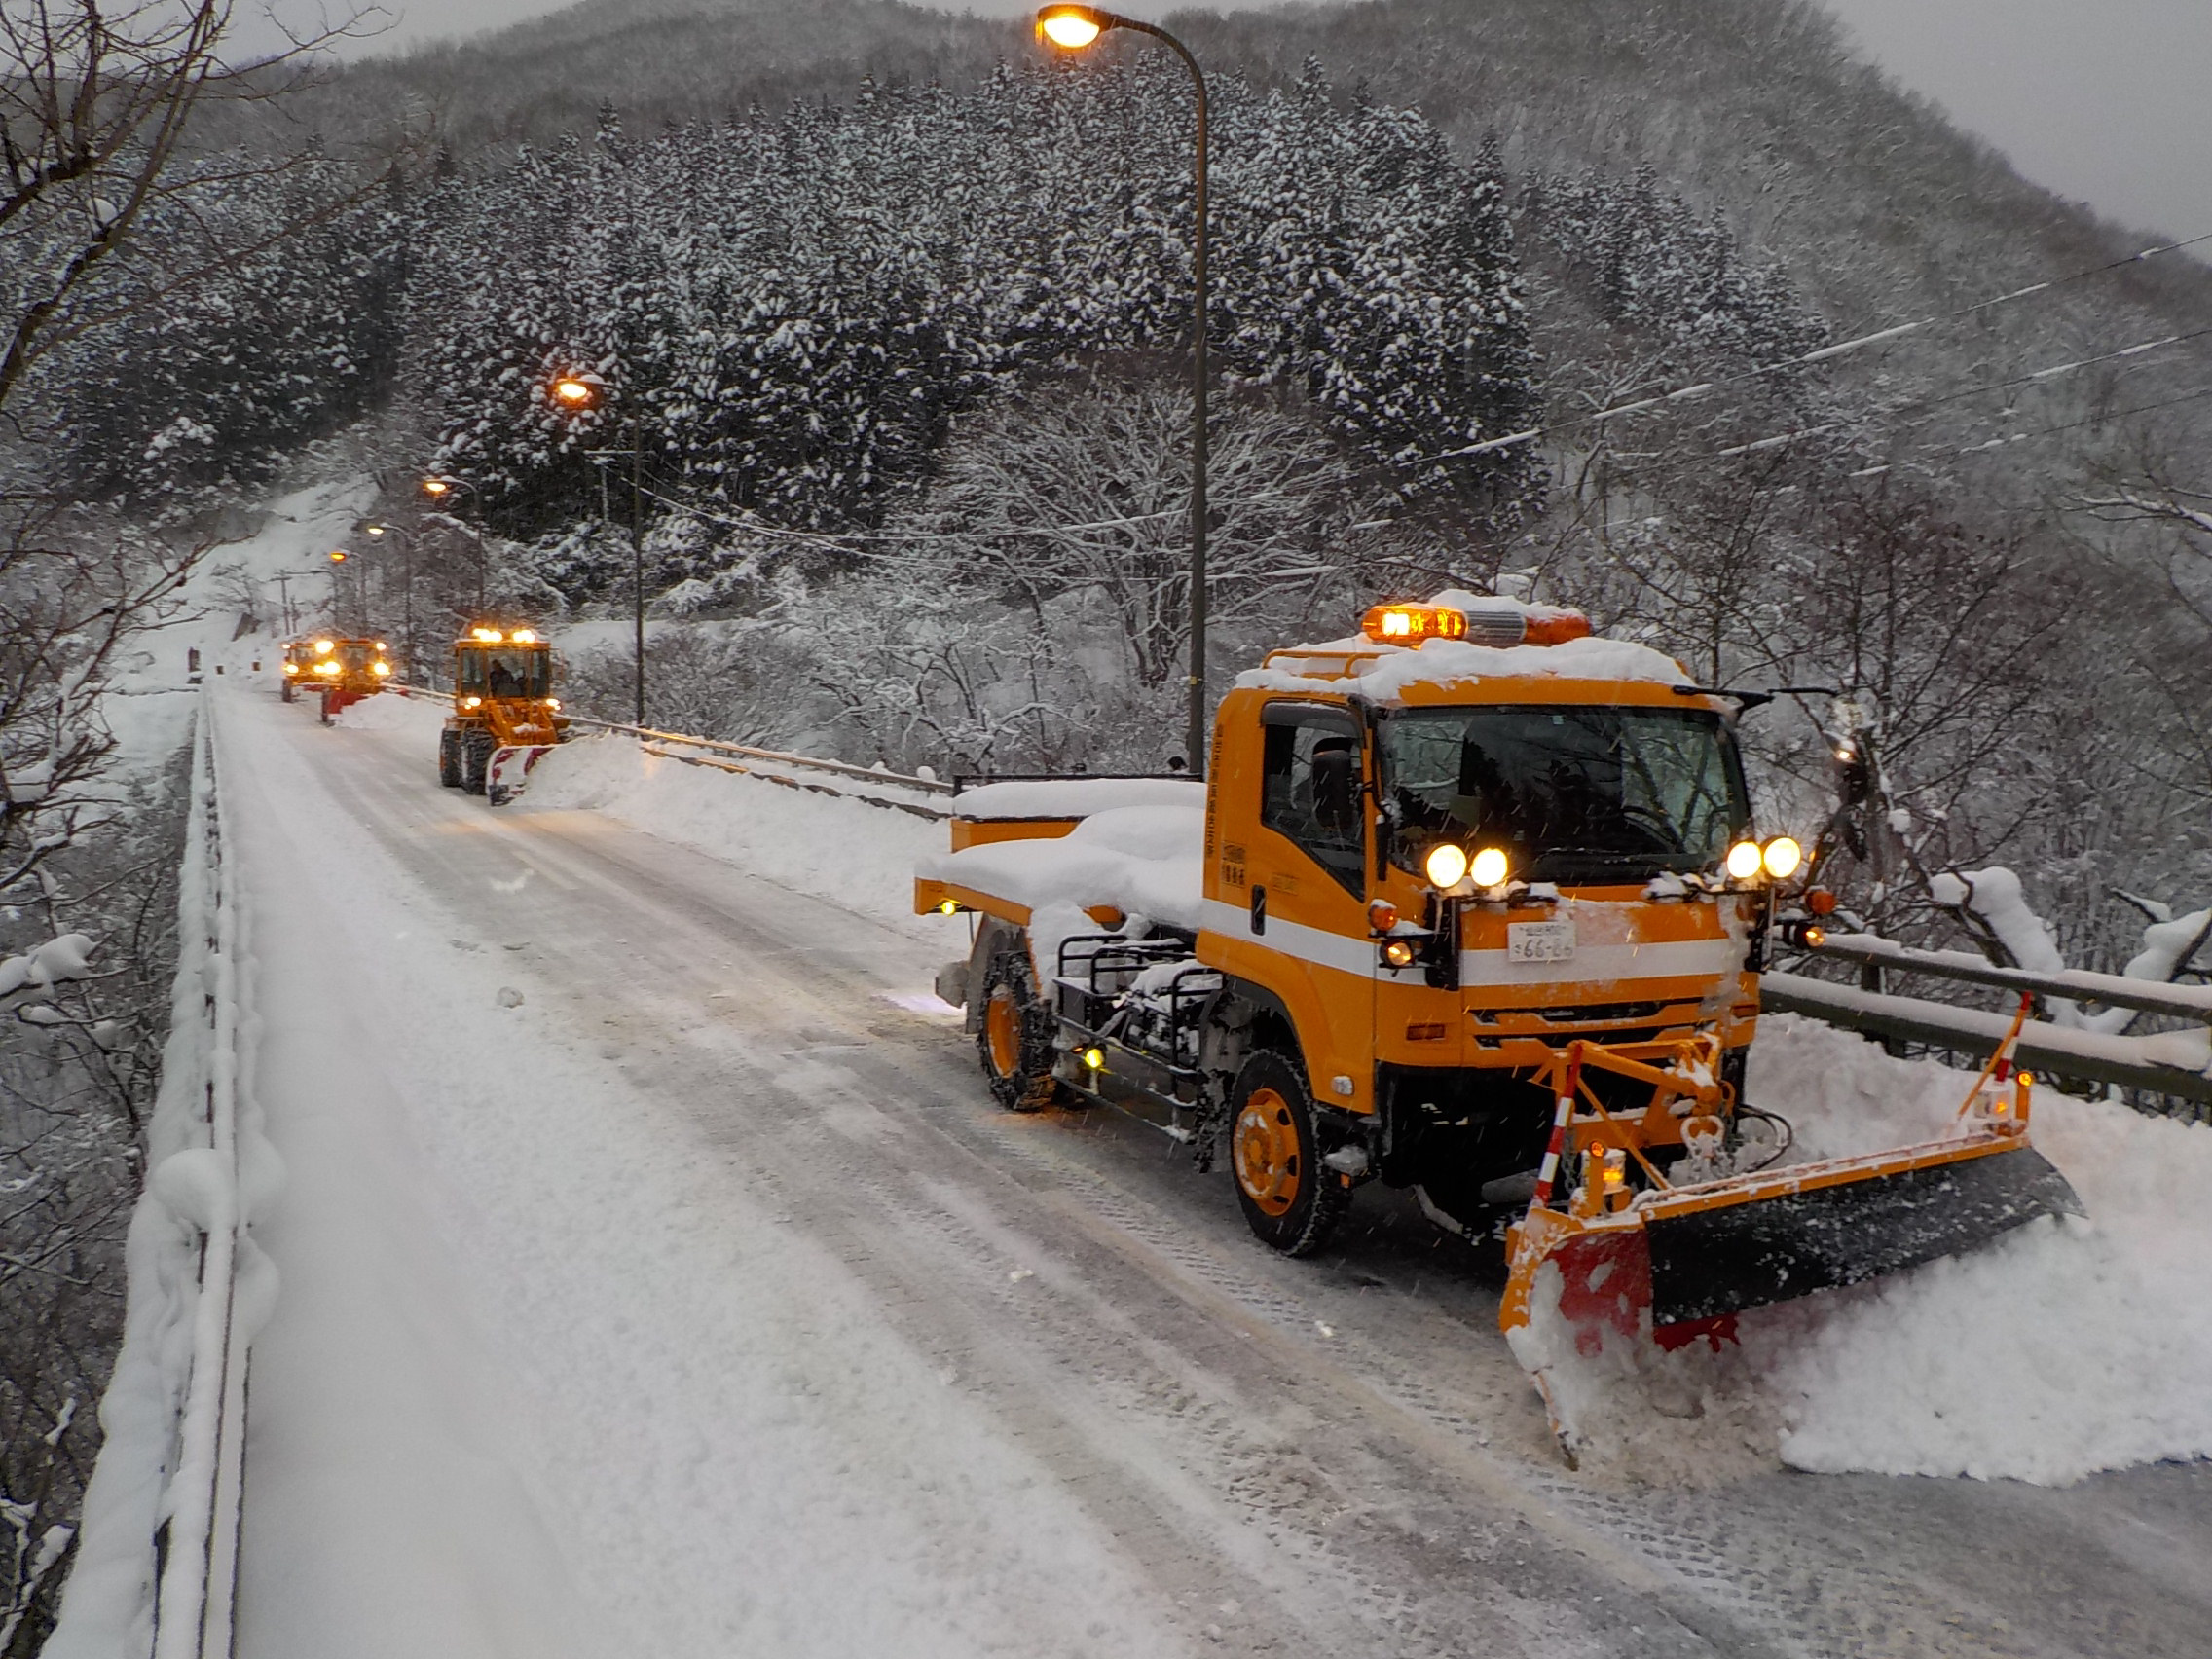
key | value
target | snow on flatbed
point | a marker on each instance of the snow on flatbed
(1143, 861)
(1075, 796)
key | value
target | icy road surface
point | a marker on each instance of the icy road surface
(658, 1279)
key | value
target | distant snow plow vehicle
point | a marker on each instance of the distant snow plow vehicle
(341, 671)
(299, 657)
(1469, 904)
(504, 714)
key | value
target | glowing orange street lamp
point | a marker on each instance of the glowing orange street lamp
(1073, 28)
(576, 395)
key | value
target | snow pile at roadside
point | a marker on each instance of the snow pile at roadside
(389, 711)
(1143, 861)
(834, 847)
(2064, 1348)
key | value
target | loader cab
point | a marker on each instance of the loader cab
(506, 668)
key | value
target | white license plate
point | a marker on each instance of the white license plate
(1540, 941)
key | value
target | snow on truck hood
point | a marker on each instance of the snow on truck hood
(1143, 861)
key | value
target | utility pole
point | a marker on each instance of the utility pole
(285, 595)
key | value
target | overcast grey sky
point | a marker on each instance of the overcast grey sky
(2106, 101)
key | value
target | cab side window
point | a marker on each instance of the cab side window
(1310, 789)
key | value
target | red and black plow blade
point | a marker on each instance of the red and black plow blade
(1722, 1258)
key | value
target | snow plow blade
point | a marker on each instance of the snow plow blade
(509, 769)
(1676, 1268)
(1736, 1251)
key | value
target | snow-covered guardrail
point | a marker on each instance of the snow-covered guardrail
(775, 757)
(2169, 1072)
(744, 759)
(157, 1558)
(2115, 990)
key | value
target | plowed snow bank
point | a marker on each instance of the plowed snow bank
(832, 846)
(2061, 1350)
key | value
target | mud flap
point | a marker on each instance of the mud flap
(508, 770)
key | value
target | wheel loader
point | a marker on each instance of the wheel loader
(1469, 903)
(504, 714)
(341, 672)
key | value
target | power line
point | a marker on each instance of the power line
(1805, 359)
(2051, 431)
(2034, 376)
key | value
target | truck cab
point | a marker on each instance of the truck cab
(1439, 882)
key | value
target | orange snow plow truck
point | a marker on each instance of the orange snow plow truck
(341, 672)
(1468, 902)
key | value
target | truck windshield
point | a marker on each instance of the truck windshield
(516, 673)
(1574, 793)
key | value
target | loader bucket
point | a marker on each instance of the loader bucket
(1680, 1265)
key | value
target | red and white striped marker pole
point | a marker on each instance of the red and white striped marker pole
(1560, 1119)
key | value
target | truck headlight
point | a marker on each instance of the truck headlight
(1446, 865)
(1782, 858)
(1746, 860)
(1490, 868)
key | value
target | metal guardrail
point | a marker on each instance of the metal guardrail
(2157, 1073)
(650, 736)
(162, 1507)
(2184, 1002)
(809, 762)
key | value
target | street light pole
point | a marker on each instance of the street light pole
(576, 395)
(637, 551)
(1071, 28)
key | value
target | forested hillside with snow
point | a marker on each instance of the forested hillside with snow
(906, 355)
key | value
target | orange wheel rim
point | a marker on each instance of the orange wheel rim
(1001, 1030)
(1264, 1146)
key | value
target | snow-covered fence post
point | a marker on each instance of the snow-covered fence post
(157, 1557)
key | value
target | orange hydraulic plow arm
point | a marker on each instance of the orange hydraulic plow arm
(1674, 1263)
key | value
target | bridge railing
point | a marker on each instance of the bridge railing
(2164, 1072)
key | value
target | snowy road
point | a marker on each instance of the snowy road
(701, 1305)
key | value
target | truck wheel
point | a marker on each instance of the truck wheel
(1014, 1038)
(475, 760)
(449, 760)
(287, 690)
(1292, 1202)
